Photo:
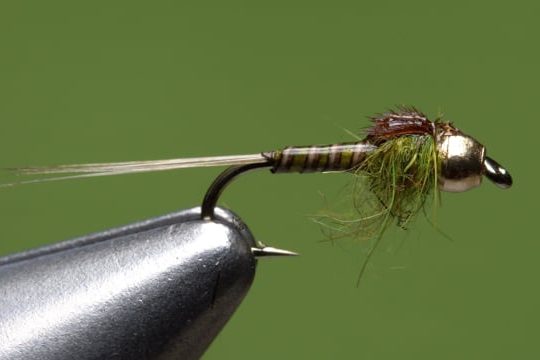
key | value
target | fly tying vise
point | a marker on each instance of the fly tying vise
(402, 150)
(202, 259)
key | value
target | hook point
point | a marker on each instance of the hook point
(271, 251)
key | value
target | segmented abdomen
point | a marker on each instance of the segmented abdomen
(319, 158)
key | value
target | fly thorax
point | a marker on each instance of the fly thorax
(461, 161)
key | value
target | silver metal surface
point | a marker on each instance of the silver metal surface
(462, 162)
(157, 289)
(497, 174)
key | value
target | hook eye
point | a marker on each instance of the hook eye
(496, 173)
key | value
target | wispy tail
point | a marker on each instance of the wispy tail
(77, 171)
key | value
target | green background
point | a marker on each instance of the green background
(131, 80)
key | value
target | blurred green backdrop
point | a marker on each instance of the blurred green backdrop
(128, 80)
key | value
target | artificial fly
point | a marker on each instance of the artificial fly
(403, 157)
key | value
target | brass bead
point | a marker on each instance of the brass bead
(462, 162)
